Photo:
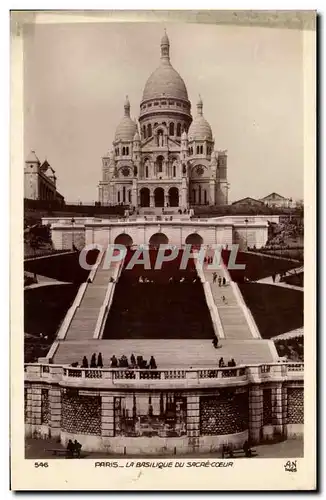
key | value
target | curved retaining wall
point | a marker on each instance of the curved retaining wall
(165, 412)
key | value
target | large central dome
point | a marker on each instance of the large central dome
(165, 81)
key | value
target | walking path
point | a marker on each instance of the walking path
(40, 449)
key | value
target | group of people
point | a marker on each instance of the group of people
(222, 364)
(97, 362)
(73, 449)
(221, 281)
(134, 363)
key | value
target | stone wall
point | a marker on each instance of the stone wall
(156, 421)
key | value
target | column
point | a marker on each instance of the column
(151, 200)
(255, 413)
(134, 194)
(55, 411)
(107, 415)
(183, 197)
(277, 409)
(211, 192)
(166, 199)
(193, 423)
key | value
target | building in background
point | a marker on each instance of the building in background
(168, 159)
(248, 202)
(40, 180)
(276, 200)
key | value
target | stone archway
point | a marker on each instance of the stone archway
(173, 197)
(194, 239)
(124, 239)
(159, 197)
(144, 197)
(158, 239)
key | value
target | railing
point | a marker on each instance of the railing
(242, 373)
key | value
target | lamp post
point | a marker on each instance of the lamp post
(72, 234)
(246, 221)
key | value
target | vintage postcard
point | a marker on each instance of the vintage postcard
(163, 178)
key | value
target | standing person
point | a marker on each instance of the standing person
(114, 362)
(152, 363)
(224, 281)
(215, 342)
(219, 281)
(99, 361)
(221, 363)
(214, 277)
(77, 448)
(93, 361)
(70, 449)
(85, 362)
(132, 361)
(224, 299)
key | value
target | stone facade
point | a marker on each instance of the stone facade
(168, 158)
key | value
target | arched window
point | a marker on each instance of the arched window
(198, 150)
(179, 130)
(127, 150)
(123, 151)
(144, 131)
(174, 171)
(171, 128)
(149, 130)
(194, 195)
(123, 194)
(159, 163)
(129, 196)
(205, 196)
(199, 195)
(146, 171)
(118, 196)
(201, 149)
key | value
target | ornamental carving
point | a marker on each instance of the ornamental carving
(125, 171)
(199, 170)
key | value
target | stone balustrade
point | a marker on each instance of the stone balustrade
(67, 375)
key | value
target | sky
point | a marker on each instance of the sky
(76, 77)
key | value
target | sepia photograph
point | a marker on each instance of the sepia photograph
(163, 232)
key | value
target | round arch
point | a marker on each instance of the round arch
(159, 197)
(158, 239)
(144, 197)
(124, 239)
(194, 239)
(173, 197)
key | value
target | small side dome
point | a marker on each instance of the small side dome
(127, 127)
(200, 129)
(125, 130)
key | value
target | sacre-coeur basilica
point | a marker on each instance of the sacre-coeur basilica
(168, 159)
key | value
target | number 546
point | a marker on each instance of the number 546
(41, 464)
